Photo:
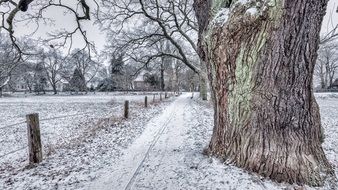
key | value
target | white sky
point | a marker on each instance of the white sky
(331, 18)
(94, 34)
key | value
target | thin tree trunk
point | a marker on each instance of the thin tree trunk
(260, 66)
(203, 79)
(203, 86)
(331, 77)
(327, 75)
(54, 89)
(30, 89)
(162, 76)
(322, 78)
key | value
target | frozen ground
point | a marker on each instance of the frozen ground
(61, 116)
(161, 153)
(91, 135)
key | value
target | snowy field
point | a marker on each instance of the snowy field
(62, 117)
(158, 148)
(65, 121)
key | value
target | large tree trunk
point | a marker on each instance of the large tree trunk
(260, 60)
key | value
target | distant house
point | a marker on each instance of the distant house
(335, 84)
(94, 83)
(139, 82)
(20, 85)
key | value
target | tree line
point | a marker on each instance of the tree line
(48, 68)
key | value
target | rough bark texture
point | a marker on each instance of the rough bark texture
(260, 66)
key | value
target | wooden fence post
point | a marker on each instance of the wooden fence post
(165, 95)
(34, 138)
(146, 101)
(154, 98)
(161, 96)
(126, 109)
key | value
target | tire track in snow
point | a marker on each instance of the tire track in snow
(157, 136)
(124, 172)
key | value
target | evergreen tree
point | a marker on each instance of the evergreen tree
(78, 82)
(40, 79)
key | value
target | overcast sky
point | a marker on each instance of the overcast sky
(331, 18)
(94, 34)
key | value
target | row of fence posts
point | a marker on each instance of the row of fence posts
(126, 103)
(34, 134)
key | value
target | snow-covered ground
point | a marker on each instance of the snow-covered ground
(153, 151)
(168, 154)
(87, 132)
(61, 117)
(328, 103)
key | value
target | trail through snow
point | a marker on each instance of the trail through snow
(127, 170)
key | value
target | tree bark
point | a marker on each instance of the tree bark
(322, 76)
(203, 87)
(203, 78)
(162, 85)
(54, 89)
(260, 59)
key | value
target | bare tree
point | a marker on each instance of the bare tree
(34, 14)
(53, 65)
(80, 60)
(28, 77)
(141, 26)
(327, 64)
(8, 61)
(332, 34)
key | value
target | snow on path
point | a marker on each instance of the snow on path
(122, 176)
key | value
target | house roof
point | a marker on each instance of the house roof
(140, 76)
(335, 83)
